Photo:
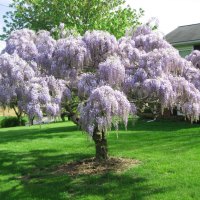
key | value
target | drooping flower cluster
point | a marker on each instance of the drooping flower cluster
(45, 45)
(87, 83)
(34, 48)
(112, 71)
(70, 55)
(101, 45)
(194, 57)
(15, 73)
(155, 72)
(22, 42)
(104, 107)
(42, 95)
(20, 87)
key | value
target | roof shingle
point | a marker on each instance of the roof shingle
(184, 34)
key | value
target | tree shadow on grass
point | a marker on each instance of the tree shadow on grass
(21, 171)
(32, 133)
(28, 175)
(33, 179)
(34, 161)
(160, 125)
(160, 136)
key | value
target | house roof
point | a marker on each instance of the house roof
(183, 34)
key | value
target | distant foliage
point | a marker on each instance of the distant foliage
(113, 16)
(11, 122)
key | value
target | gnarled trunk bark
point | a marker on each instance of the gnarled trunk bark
(18, 114)
(31, 121)
(100, 145)
(72, 116)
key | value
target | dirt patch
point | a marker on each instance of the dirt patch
(89, 166)
(93, 166)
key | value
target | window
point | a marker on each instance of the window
(197, 47)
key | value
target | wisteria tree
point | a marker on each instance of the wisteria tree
(104, 108)
(105, 79)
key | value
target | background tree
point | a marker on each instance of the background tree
(113, 16)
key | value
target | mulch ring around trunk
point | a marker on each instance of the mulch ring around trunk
(92, 166)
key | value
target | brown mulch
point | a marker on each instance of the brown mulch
(89, 166)
(92, 166)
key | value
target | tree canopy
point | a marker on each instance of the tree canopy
(112, 16)
(104, 78)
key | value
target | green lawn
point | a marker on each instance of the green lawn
(169, 153)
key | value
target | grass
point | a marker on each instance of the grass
(168, 151)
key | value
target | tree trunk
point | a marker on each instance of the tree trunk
(20, 120)
(19, 115)
(100, 145)
(31, 120)
(72, 116)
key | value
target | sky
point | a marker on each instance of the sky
(170, 13)
(3, 10)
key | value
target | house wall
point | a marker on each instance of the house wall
(184, 50)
